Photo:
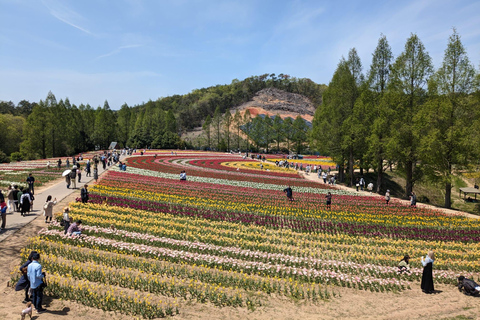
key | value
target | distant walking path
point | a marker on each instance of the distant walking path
(313, 177)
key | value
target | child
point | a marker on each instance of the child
(28, 311)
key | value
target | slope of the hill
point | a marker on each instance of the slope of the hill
(270, 102)
(273, 101)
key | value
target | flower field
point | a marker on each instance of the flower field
(152, 244)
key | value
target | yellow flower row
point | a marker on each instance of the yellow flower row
(338, 246)
(305, 212)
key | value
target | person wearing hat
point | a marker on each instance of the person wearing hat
(403, 265)
(387, 197)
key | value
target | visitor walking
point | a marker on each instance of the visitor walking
(387, 197)
(25, 202)
(31, 183)
(48, 208)
(11, 196)
(67, 180)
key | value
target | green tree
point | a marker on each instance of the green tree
(288, 131)
(227, 123)
(377, 107)
(35, 133)
(12, 127)
(247, 127)
(300, 133)
(268, 131)
(277, 127)
(123, 124)
(444, 122)
(409, 75)
(104, 126)
(216, 123)
(237, 124)
(206, 128)
(257, 132)
(331, 132)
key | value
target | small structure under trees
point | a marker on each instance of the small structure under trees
(468, 190)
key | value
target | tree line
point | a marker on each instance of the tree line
(261, 133)
(402, 112)
(51, 128)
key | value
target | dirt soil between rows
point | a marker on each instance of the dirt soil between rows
(447, 303)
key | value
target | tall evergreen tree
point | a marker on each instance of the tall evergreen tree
(227, 123)
(36, 133)
(378, 109)
(123, 124)
(277, 127)
(207, 129)
(409, 76)
(216, 123)
(445, 121)
(237, 124)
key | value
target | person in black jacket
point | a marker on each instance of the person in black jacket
(468, 287)
(24, 283)
(84, 193)
(289, 193)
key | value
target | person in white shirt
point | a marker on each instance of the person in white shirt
(427, 275)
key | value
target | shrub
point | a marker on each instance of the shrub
(4, 158)
(16, 156)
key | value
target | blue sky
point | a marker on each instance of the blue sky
(129, 51)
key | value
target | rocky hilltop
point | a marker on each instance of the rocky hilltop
(272, 101)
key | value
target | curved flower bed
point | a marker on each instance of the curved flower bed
(232, 238)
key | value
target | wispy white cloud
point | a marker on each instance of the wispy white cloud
(65, 14)
(118, 50)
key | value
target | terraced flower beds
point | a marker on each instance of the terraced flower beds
(152, 244)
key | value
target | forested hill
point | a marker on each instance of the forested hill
(191, 109)
(53, 128)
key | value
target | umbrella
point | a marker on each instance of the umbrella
(66, 172)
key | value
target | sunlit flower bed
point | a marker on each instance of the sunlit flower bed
(152, 244)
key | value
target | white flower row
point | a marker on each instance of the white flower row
(242, 184)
